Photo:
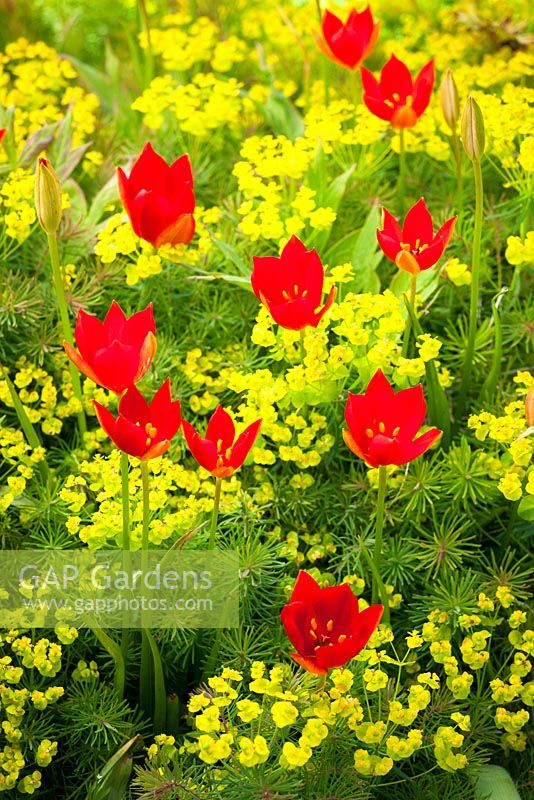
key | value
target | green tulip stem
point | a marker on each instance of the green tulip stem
(475, 289)
(408, 328)
(402, 171)
(57, 275)
(379, 591)
(215, 512)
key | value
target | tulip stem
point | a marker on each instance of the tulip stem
(475, 288)
(408, 328)
(301, 346)
(59, 287)
(143, 15)
(215, 512)
(146, 674)
(402, 171)
(379, 591)
(125, 643)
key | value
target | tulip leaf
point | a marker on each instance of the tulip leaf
(328, 194)
(282, 115)
(494, 783)
(490, 384)
(231, 254)
(108, 194)
(366, 255)
(427, 283)
(525, 508)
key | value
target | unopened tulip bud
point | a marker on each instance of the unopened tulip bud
(473, 137)
(529, 406)
(450, 103)
(47, 196)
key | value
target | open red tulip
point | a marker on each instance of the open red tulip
(325, 626)
(159, 198)
(396, 97)
(382, 423)
(220, 452)
(414, 247)
(291, 287)
(117, 352)
(143, 430)
(351, 42)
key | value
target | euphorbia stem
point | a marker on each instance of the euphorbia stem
(57, 275)
(402, 171)
(215, 512)
(408, 328)
(379, 591)
(475, 288)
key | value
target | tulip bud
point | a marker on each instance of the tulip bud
(529, 406)
(47, 196)
(450, 104)
(473, 138)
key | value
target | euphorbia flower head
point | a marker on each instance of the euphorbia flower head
(382, 423)
(220, 452)
(325, 626)
(117, 352)
(143, 430)
(396, 97)
(159, 198)
(291, 286)
(349, 43)
(414, 247)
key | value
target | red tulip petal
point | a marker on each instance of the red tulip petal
(371, 87)
(146, 355)
(295, 618)
(410, 410)
(337, 604)
(306, 589)
(430, 255)
(329, 301)
(422, 90)
(124, 192)
(390, 226)
(130, 438)
(134, 407)
(378, 108)
(446, 231)
(181, 231)
(418, 225)
(244, 443)
(116, 366)
(331, 25)
(202, 450)
(79, 362)
(165, 413)
(389, 246)
(353, 445)
(221, 428)
(294, 315)
(114, 322)
(150, 172)
(266, 279)
(89, 333)
(181, 172)
(366, 624)
(309, 664)
(106, 419)
(412, 450)
(396, 78)
(156, 450)
(138, 325)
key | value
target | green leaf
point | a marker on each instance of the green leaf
(366, 255)
(427, 283)
(282, 115)
(525, 508)
(494, 783)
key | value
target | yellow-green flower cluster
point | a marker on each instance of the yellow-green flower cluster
(17, 699)
(41, 85)
(514, 445)
(117, 241)
(186, 496)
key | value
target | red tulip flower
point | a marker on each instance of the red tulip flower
(414, 247)
(291, 287)
(351, 42)
(382, 423)
(117, 352)
(159, 199)
(220, 452)
(143, 430)
(396, 97)
(324, 625)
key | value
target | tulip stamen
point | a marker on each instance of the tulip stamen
(381, 427)
(151, 430)
(330, 625)
(396, 97)
(313, 635)
(341, 639)
(396, 431)
(313, 623)
(370, 432)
